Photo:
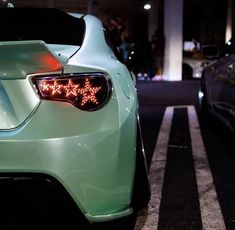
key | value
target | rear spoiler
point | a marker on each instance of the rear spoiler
(21, 58)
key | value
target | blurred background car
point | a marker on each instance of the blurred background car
(216, 93)
(196, 58)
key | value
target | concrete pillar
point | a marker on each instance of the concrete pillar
(173, 30)
(93, 7)
(229, 31)
(152, 18)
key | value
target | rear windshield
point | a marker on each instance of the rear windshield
(50, 25)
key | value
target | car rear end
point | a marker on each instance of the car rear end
(68, 116)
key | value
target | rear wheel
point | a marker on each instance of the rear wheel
(141, 190)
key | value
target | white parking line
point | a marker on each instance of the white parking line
(148, 218)
(211, 214)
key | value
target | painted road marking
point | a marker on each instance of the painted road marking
(211, 214)
(148, 218)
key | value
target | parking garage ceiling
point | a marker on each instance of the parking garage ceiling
(115, 6)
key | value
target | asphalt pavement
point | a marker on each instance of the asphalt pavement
(154, 97)
(191, 161)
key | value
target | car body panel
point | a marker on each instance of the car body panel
(21, 58)
(63, 52)
(219, 86)
(92, 154)
(100, 165)
(15, 109)
(197, 65)
(197, 59)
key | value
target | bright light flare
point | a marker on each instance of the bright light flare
(200, 95)
(147, 6)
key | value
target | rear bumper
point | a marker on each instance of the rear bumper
(36, 199)
(49, 195)
(94, 163)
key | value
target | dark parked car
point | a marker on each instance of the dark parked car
(217, 92)
(195, 61)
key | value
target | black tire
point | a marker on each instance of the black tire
(141, 190)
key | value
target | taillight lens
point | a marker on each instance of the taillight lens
(85, 91)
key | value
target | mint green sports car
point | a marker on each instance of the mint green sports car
(69, 112)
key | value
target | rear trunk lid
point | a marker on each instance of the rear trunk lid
(19, 60)
(22, 53)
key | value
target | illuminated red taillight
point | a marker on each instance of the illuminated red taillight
(85, 91)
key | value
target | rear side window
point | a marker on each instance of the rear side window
(49, 25)
(110, 42)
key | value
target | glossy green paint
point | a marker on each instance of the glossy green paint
(18, 102)
(20, 58)
(92, 154)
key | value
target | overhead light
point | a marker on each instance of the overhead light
(147, 6)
